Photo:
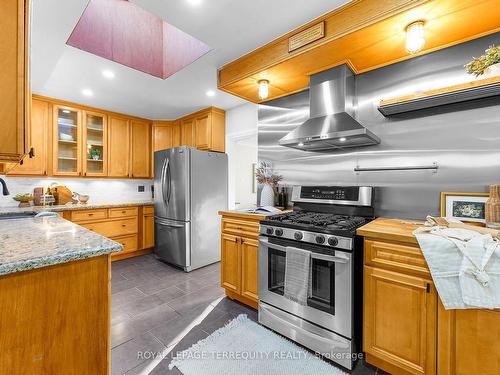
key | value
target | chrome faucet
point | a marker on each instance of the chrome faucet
(4, 187)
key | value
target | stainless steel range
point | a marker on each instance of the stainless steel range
(323, 222)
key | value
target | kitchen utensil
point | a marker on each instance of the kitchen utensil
(63, 193)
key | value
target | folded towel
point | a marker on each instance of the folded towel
(464, 265)
(297, 275)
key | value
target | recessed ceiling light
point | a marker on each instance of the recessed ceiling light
(263, 88)
(87, 92)
(108, 74)
(415, 36)
(194, 2)
(210, 93)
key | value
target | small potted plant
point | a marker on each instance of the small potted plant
(487, 65)
(266, 177)
(24, 199)
(95, 154)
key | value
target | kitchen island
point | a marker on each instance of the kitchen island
(406, 329)
(54, 297)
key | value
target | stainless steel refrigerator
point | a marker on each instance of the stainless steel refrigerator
(190, 188)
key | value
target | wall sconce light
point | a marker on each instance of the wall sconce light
(263, 88)
(415, 36)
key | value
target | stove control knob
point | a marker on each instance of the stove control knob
(320, 239)
(298, 236)
(278, 232)
(333, 241)
(269, 231)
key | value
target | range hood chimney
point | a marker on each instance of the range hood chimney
(331, 124)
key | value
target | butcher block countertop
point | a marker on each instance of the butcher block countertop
(237, 214)
(391, 229)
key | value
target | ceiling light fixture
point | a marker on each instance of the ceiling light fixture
(210, 93)
(108, 74)
(343, 139)
(415, 36)
(87, 92)
(263, 88)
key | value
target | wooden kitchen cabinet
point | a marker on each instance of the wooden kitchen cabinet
(239, 256)
(118, 147)
(66, 141)
(187, 132)
(231, 263)
(400, 314)
(468, 341)
(249, 267)
(36, 165)
(15, 94)
(205, 129)
(140, 149)
(94, 144)
(162, 134)
(148, 228)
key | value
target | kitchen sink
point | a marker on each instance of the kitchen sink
(17, 215)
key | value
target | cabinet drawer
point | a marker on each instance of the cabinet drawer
(114, 228)
(129, 243)
(240, 228)
(88, 215)
(148, 210)
(396, 257)
(123, 212)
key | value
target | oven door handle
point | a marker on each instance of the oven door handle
(327, 258)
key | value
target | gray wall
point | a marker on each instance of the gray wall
(463, 138)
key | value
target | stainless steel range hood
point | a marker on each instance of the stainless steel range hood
(331, 124)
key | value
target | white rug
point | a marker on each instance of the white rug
(244, 347)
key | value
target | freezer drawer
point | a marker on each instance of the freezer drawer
(172, 242)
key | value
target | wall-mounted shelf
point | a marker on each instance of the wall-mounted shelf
(447, 95)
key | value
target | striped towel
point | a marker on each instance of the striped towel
(297, 275)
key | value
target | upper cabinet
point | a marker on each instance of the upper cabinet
(36, 165)
(14, 81)
(118, 147)
(66, 145)
(205, 130)
(166, 134)
(95, 148)
(141, 149)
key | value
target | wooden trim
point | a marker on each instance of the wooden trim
(441, 91)
(353, 16)
(118, 256)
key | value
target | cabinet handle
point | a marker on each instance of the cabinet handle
(124, 212)
(124, 225)
(91, 214)
(32, 152)
(428, 288)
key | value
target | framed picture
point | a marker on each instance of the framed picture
(464, 206)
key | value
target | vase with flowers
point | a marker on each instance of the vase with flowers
(269, 179)
(487, 65)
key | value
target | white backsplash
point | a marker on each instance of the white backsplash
(100, 190)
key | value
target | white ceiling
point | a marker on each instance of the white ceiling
(230, 27)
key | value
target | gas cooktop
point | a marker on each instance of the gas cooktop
(318, 222)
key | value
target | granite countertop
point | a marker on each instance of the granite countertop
(73, 207)
(30, 243)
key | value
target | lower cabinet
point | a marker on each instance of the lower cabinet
(400, 314)
(468, 342)
(239, 258)
(121, 225)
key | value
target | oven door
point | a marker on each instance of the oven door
(330, 302)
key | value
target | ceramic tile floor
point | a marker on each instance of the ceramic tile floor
(153, 303)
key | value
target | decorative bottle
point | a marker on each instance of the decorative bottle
(492, 208)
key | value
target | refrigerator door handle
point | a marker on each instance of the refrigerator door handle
(169, 176)
(163, 182)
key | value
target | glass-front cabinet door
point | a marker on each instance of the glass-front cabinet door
(94, 144)
(67, 134)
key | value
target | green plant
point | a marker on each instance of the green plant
(479, 64)
(95, 152)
